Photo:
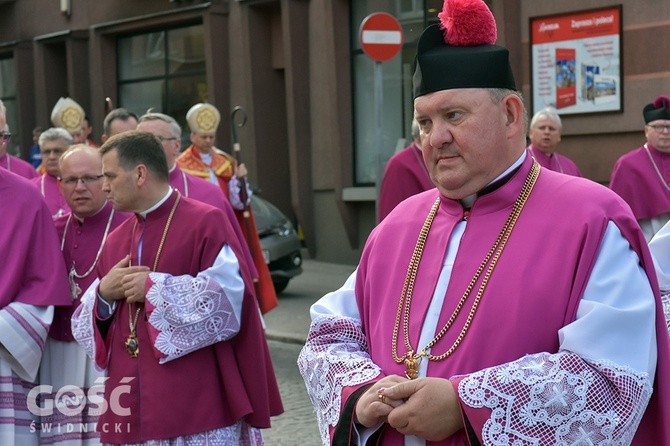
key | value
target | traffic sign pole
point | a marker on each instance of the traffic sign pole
(379, 106)
(381, 38)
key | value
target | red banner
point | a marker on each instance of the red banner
(584, 25)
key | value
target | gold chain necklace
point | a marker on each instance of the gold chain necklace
(132, 344)
(75, 290)
(412, 359)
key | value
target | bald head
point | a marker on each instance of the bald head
(81, 180)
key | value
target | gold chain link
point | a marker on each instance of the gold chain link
(131, 322)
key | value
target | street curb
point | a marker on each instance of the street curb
(272, 335)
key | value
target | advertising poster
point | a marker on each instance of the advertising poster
(576, 61)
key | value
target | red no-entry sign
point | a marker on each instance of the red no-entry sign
(381, 36)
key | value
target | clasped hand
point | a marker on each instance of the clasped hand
(125, 282)
(426, 407)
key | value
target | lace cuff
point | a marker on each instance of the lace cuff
(187, 313)
(556, 399)
(335, 356)
(83, 325)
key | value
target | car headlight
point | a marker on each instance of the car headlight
(285, 230)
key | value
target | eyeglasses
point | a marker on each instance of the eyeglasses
(660, 127)
(72, 181)
(174, 138)
(57, 152)
(4, 137)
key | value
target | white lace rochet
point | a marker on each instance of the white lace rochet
(558, 399)
(334, 357)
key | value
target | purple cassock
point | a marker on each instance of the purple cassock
(80, 243)
(641, 178)
(190, 375)
(18, 166)
(48, 187)
(193, 187)
(31, 262)
(555, 161)
(405, 175)
(33, 279)
(527, 342)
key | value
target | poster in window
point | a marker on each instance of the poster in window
(576, 61)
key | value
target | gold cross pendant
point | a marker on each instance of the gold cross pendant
(412, 367)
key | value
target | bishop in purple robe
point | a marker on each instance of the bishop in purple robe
(174, 303)
(464, 324)
(82, 233)
(545, 134)
(405, 175)
(33, 281)
(53, 143)
(10, 162)
(18, 166)
(642, 176)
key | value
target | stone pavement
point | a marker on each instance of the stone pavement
(286, 329)
(290, 321)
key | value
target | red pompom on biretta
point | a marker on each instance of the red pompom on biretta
(460, 52)
(467, 23)
(659, 109)
(662, 102)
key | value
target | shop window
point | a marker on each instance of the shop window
(163, 71)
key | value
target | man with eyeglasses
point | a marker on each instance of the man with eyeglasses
(53, 143)
(82, 234)
(7, 161)
(168, 131)
(642, 176)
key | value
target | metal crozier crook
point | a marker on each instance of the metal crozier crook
(238, 156)
(243, 180)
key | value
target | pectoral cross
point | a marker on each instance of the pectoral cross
(75, 291)
(412, 367)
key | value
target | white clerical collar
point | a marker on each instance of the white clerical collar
(143, 214)
(174, 166)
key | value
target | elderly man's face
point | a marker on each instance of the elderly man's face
(51, 153)
(545, 135)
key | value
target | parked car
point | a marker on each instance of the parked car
(279, 241)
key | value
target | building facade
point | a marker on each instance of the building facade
(310, 140)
